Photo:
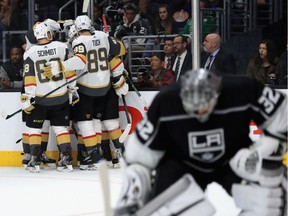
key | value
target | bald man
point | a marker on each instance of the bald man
(219, 59)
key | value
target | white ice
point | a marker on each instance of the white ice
(78, 193)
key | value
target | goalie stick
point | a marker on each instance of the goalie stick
(45, 96)
(104, 179)
(125, 133)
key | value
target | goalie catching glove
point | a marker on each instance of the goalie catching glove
(73, 96)
(27, 102)
(53, 68)
(120, 85)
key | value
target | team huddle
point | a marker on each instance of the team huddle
(83, 88)
(196, 131)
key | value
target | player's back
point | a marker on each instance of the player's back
(35, 59)
(96, 49)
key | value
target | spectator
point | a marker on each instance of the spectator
(165, 24)
(263, 66)
(168, 53)
(219, 60)
(11, 72)
(7, 12)
(182, 61)
(159, 76)
(100, 19)
(208, 22)
(148, 10)
(133, 24)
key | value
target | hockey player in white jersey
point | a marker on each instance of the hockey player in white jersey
(93, 53)
(30, 41)
(54, 107)
(196, 132)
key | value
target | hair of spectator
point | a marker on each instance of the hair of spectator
(131, 6)
(158, 55)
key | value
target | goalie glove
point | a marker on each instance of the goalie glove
(27, 102)
(120, 85)
(53, 68)
(73, 96)
(255, 200)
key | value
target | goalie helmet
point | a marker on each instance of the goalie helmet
(83, 22)
(42, 30)
(55, 26)
(199, 92)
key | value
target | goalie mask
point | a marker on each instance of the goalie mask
(42, 30)
(199, 93)
(83, 22)
(72, 33)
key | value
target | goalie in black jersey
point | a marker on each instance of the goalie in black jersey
(196, 132)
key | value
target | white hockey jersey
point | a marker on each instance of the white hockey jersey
(36, 84)
(92, 54)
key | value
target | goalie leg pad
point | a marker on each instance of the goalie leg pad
(183, 198)
(135, 191)
(261, 201)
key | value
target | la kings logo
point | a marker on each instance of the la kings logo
(206, 146)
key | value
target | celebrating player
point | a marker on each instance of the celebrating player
(194, 128)
(53, 107)
(94, 53)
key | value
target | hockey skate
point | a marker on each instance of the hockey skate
(34, 164)
(116, 158)
(26, 160)
(65, 163)
(46, 161)
(91, 161)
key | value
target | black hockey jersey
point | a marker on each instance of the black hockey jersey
(168, 130)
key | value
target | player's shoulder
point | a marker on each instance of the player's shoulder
(168, 92)
(240, 83)
(101, 34)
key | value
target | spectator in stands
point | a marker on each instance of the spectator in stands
(100, 19)
(169, 52)
(159, 76)
(263, 66)
(182, 61)
(208, 22)
(165, 24)
(133, 25)
(11, 71)
(219, 59)
(9, 15)
(148, 10)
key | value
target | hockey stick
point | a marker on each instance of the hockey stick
(85, 6)
(125, 133)
(46, 95)
(104, 179)
(135, 89)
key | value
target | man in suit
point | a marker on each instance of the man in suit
(182, 61)
(219, 60)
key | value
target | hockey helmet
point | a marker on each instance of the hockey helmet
(41, 31)
(83, 22)
(55, 26)
(199, 92)
(72, 33)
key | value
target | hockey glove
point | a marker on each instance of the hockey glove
(27, 102)
(53, 68)
(73, 96)
(257, 200)
(120, 85)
